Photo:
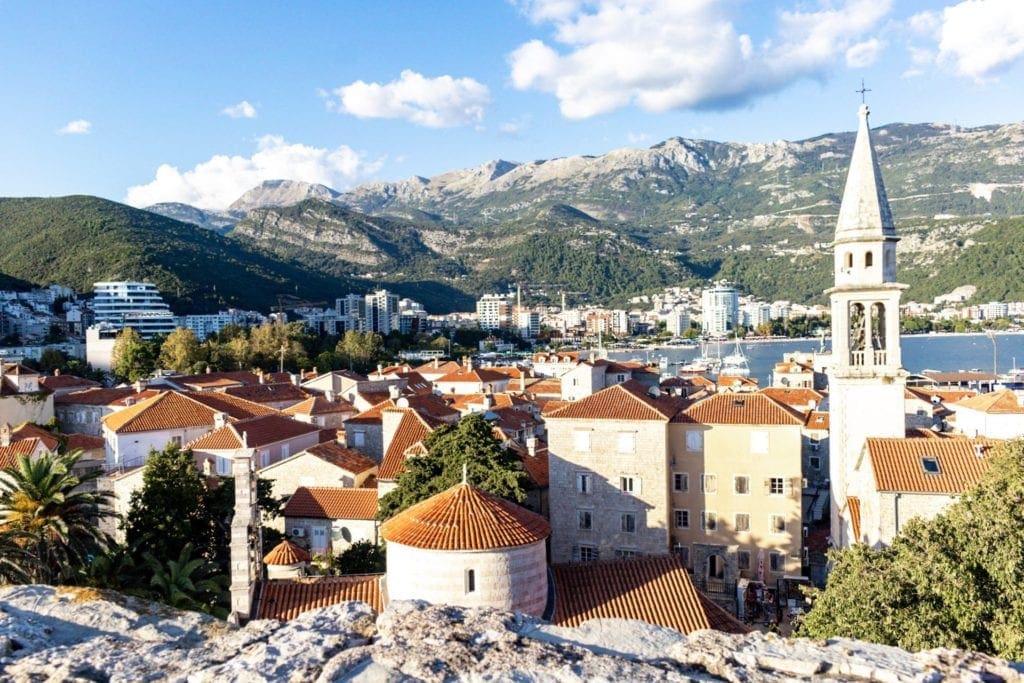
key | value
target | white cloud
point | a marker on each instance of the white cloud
(514, 127)
(242, 110)
(864, 54)
(980, 38)
(441, 102)
(76, 127)
(669, 54)
(637, 138)
(215, 183)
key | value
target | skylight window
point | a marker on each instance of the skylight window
(930, 465)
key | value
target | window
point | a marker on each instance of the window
(759, 442)
(680, 481)
(264, 458)
(814, 443)
(625, 552)
(708, 483)
(815, 462)
(584, 483)
(683, 551)
(849, 261)
(741, 484)
(776, 562)
(629, 484)
(470, 580)
(585, 519)
(708, 520)
(586, 553)
(629, 522)
(627, 442)
(358, 439)
(776, 486)
(286, 450)
(777, 524)
(930, 465)
(682, 519)
(869, 259)
(742, 521)
(176, 440)
(223, 466)
(743, 560)
(581, 441)
(694, 440)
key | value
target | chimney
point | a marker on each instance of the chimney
(488, 401)
(468, 362)
(5, 434)
(219, 419)
(261, 377)
(208, 370)
(380, 369)
(393, 391)
(139, 386)
(329, 395)
(246, 553)
(531, 446)
(979, 450)
(437, 362)
(56, 372)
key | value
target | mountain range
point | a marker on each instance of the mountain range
(606, 227)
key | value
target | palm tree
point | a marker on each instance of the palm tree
(187, 582)
(52, 517)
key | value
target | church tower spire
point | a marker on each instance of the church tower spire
(866, 378)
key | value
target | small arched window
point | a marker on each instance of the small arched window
(869, 259)
(849, 260)
(470, 580)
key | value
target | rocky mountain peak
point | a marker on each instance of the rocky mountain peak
(281, 193)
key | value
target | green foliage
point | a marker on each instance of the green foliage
(360, 351)
(954, 581)
(362, 557)
(188, 582)
(471, 443)
(133, 357)
(50, 518)
(180, 351)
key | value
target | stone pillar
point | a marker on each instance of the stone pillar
(246, 553)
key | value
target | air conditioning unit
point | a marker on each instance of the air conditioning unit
(298, 532)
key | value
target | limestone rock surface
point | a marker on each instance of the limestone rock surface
(74, 634)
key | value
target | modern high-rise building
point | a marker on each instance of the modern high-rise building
(381, 312)
(137, 305)
(494, 312)
(720, 305)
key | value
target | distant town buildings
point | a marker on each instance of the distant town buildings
(137, 305)
(719, 310)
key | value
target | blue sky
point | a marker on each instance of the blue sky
(196, 102)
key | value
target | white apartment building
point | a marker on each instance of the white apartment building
(720, 307)
(132, 304)
(494, 311)
(677, 322)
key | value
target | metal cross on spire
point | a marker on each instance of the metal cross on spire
(862, 90)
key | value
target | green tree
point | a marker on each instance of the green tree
(471, 443)
(362, 557)
(52, 359)
(50, 517)
(132, 357)
(360, 350)
(172, 509)
(180, 351)
(188, 582)
(953, 581)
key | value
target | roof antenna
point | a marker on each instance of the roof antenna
(862, 90)
(463, 473)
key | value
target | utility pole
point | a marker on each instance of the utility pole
(281, 364)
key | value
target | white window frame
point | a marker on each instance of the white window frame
(223, 465)
(776, 486)
(708, 521)
(585, 520)
(681, 515)
(681, 482)
(735, 481)
(709, 483)
(773, 525)
(587, 553)
(736, 522)
(629, 484)
(584, 483)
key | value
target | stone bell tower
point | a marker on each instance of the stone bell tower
(866, 378)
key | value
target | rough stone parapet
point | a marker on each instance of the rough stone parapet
(74, 634)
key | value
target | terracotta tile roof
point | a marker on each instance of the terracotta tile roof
(85, 442)
(416, 383)
(898, 464)
(389, 371)
(258, 431)
(656, 589)
(853, 506)
(475, 375)
(332, 502)
(167, 410)
(346, 458)
(27, 430)
(720, 618)
(547, 385)
(285, 599)
(212, 379)
(502, 399)
(733, 382)
(923, 433)
(627, 401)
(285, 553)
(234, 406)
(536, 466)
(798, 398)
(9, 454)
(438, 368)
(465, 518)
(65, 381)
(792, 367)
(944, 395)
(370, 482)
(817, 419)
(319, 405)
(510, 371)
(412, 429)
(748, 409)
(993, 403)
(99, 396)
(268, 393)
(557, 357)
(372, 415)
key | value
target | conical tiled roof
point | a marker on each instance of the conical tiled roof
(286, 553)
(864, 213)
(465, 518)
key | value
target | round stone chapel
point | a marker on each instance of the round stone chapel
(468, 548)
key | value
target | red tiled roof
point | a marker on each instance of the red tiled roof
(627, 401)
(412, 429)
(331, 502)
(258, 431)
(548, 385)
(897, 464)
(817, 419)
(286, 553)
(234, 406)
(435, 367)
(732, 381)
(9, 454)
(64, 381)
(536, 466)
(372, 415)
(749, 409)
(99, 396)
(656, 589)
(944, 395)
(346, 458)
(27, 430)
(996, 402)
(268, 393)
(853, 504)
(798, 398)
(475, 375)
(167, 410)
(219, 378)
(319, 405)
(285, 599)
(465, 518)
(85, 442)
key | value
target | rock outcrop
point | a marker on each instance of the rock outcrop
(72, 634)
